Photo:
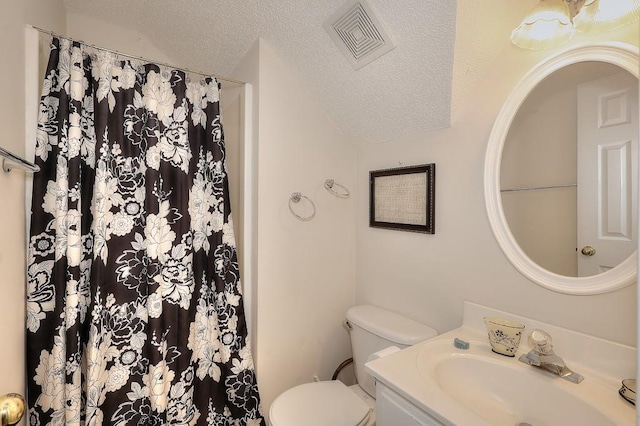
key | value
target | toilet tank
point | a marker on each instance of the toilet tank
(373, 329)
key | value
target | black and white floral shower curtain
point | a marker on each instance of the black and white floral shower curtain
(134, 304)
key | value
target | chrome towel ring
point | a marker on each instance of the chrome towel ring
(330, 185)
(295, 198)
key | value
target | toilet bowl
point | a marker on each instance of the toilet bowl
(332, 403)
(322, 404)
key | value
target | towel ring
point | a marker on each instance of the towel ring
(295, 198)
(329, 186)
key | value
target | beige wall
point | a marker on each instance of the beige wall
(14, 15)
(483, 27)
(306, 270)
(427, 277)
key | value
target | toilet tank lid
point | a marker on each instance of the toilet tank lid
(389, 325)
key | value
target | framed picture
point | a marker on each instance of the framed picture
(403, 198)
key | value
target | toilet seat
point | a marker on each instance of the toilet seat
(329, 403)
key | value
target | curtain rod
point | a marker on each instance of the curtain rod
(227, 79)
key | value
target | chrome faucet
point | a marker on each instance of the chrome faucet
(542, 355)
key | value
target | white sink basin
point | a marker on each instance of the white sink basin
(503, 391)
(477, 387)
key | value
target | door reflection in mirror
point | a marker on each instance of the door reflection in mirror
(569, 169)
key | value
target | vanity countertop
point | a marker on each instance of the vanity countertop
(477, 387)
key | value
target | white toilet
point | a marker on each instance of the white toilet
(332, 403)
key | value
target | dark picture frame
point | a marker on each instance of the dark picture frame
(403, 198)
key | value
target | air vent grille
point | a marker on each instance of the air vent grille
(359, 33)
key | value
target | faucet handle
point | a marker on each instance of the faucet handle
(541, 342)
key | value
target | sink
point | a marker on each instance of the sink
(503, 391)
(477, 387)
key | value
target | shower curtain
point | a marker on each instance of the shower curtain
(134, 304)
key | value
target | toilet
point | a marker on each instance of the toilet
(332, 403)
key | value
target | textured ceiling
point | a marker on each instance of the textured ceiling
(406, 91)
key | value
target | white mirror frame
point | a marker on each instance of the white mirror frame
(621, 54)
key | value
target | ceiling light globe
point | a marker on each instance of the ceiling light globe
(606, 15)
(547, 25)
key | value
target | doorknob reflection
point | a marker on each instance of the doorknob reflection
(588, 251)
(11, 409)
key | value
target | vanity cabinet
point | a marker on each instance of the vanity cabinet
(394, 410)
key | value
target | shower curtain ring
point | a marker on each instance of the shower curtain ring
(295, 198)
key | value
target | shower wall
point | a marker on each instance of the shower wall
(305, 270)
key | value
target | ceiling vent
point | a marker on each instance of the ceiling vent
(359, 33)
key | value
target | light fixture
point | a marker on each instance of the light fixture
(553, 22)
(548, 24)
(606, 15)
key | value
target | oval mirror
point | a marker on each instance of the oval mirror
(561, 171)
